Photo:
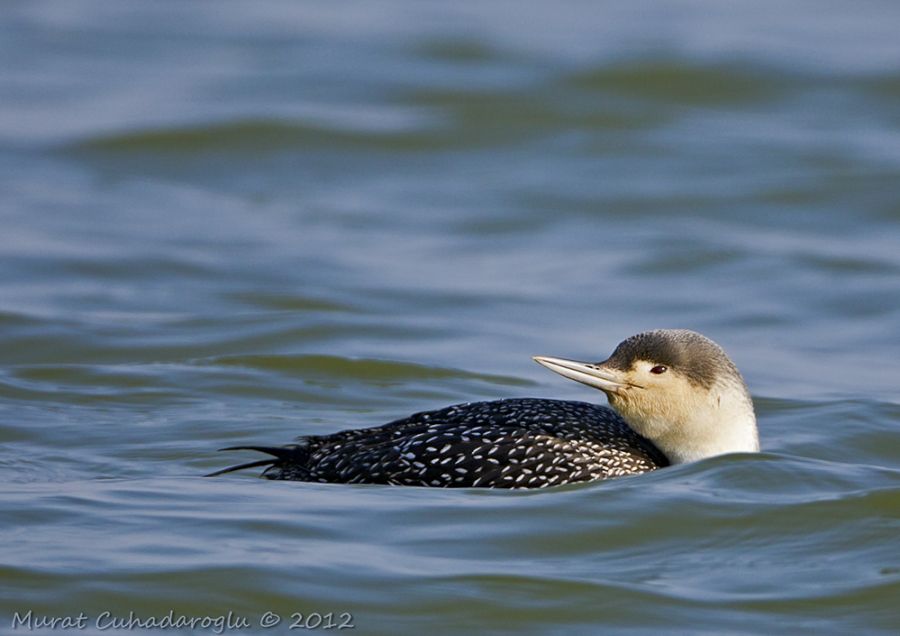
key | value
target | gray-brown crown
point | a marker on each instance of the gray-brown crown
(695, 356)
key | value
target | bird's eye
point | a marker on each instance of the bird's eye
(658, 369)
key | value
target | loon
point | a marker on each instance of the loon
(676, 397)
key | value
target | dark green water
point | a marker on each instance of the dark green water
(227, 223)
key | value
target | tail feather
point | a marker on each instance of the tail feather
(279, 454)
(231, 469)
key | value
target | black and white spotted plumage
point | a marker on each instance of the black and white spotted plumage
(513, 443)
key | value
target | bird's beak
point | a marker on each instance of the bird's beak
(595, 375)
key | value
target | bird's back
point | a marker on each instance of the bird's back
(513, 443)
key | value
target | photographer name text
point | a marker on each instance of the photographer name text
(219, 624)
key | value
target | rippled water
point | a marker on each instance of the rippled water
(229, 223)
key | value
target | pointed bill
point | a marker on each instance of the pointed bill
(594, 375)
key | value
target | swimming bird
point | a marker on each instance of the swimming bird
(676, 397)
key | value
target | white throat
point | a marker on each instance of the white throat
(708, 423)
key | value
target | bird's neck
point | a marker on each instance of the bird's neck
(723, 422)
(737, 434)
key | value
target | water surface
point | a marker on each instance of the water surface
(237, 223)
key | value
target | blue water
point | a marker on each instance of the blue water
(230, 223)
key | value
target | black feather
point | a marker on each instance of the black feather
(280, 452)
(231, 469)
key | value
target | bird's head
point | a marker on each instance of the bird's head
(677, 388)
